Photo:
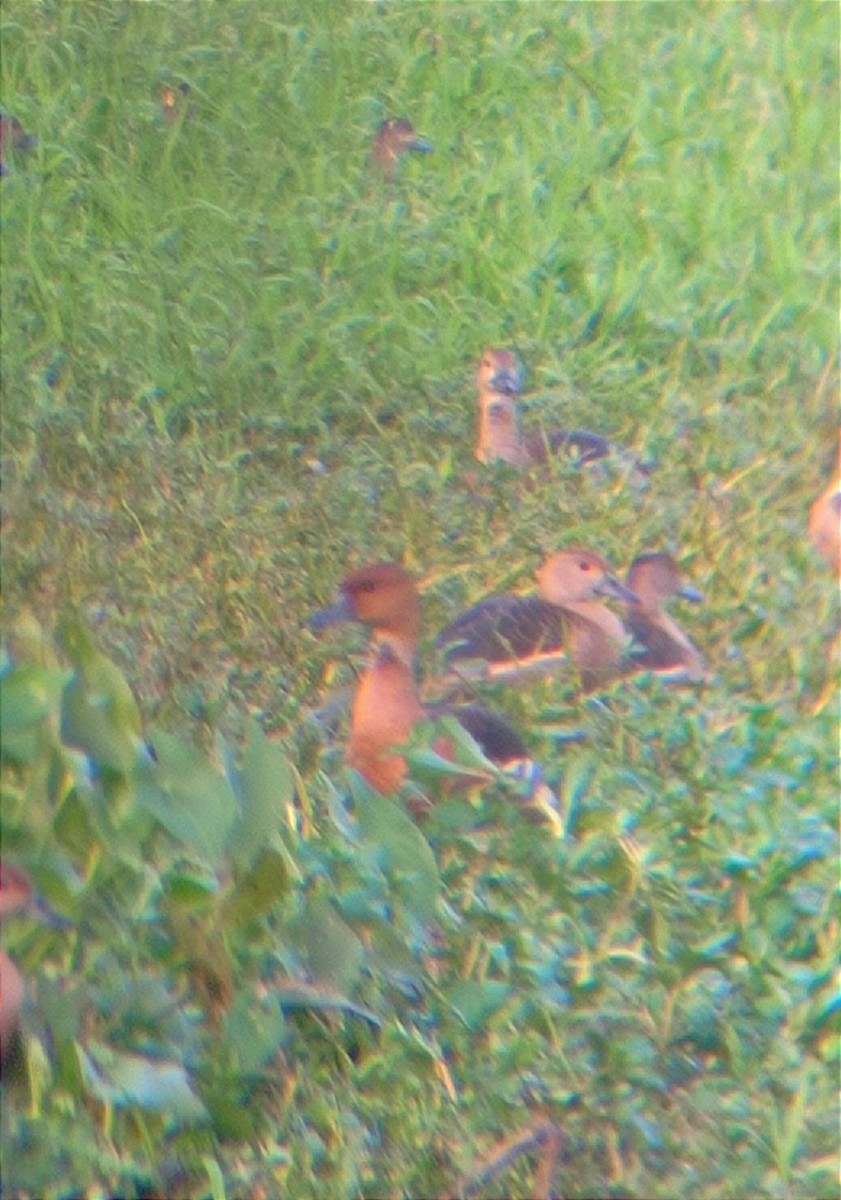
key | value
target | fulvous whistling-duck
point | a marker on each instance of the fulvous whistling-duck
(386, 707)
(660, 643)
(500, 439)
(175, 101)
(394, 138)
(825, 521)
(15, 894)
(13, 137)
(511, 635)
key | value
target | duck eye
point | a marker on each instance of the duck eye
(584, 565)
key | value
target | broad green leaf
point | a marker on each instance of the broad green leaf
(105, 680)
(467, 750)
(265, 787)
(99, 714)
(467, 758)
(127, 1080)
(455, 813)
(232, 1117)
(254, 1030)
(429, 767)
(294, 993)
(389, 952)
(91, 724)
(403, 850)
(78, 824)
(61, 1007)
(187, 796)
(32, 644)
(257, 891)
(334, 953)
(215, 1177)
(190, 890)
(28, 695)
(475, 1001)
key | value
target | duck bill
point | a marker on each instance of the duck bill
(610, 586)
(506, 381)
(691, 594)
(336, 614)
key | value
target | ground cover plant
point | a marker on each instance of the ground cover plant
(234, 365)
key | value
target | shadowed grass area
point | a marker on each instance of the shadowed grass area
(235, 364)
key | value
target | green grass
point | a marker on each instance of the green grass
(643, 199)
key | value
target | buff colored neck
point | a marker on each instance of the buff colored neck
(500, 438)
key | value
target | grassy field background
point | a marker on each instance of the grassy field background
(234, 365)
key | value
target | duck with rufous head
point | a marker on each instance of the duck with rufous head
(387, 707)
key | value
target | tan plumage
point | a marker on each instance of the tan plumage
(394, 138)
(659, 642)
(566, 620)
(499, 381)
(825, 521)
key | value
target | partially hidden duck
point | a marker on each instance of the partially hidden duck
(825, 521)
(13, 140)
(499, 381)
(511, 636)
(387, 707)
(394, 138)
(15, 895)
(660, 645)
(175, 101)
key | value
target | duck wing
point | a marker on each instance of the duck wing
(503, 629)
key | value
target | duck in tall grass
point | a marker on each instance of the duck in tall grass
(511, 637)
(499, 381)
(825, 520)
(175, 101)
(13, 140)
(660, 645)
(393, 139)
(387, 707)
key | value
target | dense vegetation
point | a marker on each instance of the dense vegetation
(233, 365)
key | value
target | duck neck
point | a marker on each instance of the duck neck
(499, 430)
(387, 694)
(402, 642)
(385, 710)
(691, 655)
(596, 640)
(598, 616)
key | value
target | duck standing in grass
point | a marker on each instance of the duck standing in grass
(394, 138)
(515, 636)
(660, 643)
(387, 707)
(499, 381)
